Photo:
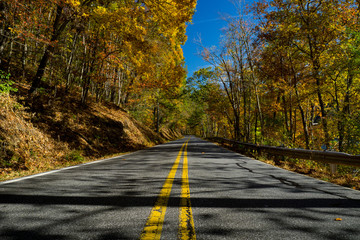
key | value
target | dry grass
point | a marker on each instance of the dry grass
(23, 146)
(59, 132)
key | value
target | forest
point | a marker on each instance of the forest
(125, 52)
(287, 76)
(88, 78)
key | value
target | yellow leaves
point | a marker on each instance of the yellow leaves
(292, 27)
(100, 10)
(142, 8)
(143, 38)
(74, 3)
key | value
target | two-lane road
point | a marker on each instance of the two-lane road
(184, 189)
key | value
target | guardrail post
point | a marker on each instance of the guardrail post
(333, 168)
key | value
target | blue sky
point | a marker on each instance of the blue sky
(207, 23)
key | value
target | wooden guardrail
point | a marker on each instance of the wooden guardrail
(321, 156)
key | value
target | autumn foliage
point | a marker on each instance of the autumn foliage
(77, 65)
(112, 49)
(290, 74)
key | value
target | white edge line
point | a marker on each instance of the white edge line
(60, 170)
(71, 167)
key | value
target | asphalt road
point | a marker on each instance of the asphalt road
(177, 190)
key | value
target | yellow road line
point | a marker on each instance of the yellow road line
(186, 221)
(154, 224)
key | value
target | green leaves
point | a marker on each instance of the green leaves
(6, 83)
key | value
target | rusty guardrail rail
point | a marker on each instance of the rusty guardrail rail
(315, 155)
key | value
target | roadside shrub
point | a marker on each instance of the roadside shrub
(74, 156)
(6, 83)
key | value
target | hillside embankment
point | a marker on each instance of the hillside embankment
(57, 131)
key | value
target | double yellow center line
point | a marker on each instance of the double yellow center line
(155, 221)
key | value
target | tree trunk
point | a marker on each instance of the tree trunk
(345, 112)
(285, 114)
(255, 129)
(24, 56)
(323, 114)
(259, 111)
(57, 29)
(69, 63)
(10, 54)
(85, 90)
(237, 127)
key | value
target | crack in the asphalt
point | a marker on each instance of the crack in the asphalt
(250, 170)
(286, 181)
(294, 184)
(281, 179)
